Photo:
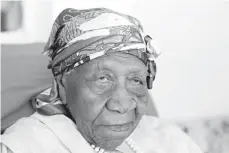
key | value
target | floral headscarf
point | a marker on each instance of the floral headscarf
(78, 36)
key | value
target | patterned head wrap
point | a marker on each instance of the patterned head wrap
(78, 36)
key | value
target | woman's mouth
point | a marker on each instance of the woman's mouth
(120, 127)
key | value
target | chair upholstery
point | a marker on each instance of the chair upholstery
(24, 73)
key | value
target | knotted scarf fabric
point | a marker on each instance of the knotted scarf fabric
(78, 36)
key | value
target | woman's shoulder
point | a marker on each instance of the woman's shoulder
(5, 149)
(155, 134)
(29, 134)
(17, 136)
(22, 124)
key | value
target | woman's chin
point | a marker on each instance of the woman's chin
(109, 145)
(110, 137)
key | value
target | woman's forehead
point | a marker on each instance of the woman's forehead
(120, 63)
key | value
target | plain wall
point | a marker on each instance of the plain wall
(193, 36)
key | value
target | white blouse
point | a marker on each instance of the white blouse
(58, 134)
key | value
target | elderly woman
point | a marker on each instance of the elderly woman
(103, 66)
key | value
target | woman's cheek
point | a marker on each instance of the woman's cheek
(142, 103)
(144, 99)
(99, 88)
(91, 102)
(139, 91)
(89, 106)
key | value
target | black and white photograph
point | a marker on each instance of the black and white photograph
(114, 76)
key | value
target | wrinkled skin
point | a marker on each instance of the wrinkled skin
(107, 98)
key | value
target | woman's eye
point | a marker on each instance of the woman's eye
(137, 81)
(102, 79)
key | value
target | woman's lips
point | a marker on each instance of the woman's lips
(120, 127)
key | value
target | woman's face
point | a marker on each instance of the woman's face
(106, 97)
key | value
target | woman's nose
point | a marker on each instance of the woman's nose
(122, 101)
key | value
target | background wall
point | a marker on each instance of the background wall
(193, 36)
